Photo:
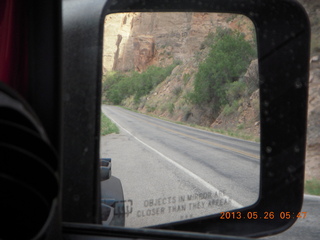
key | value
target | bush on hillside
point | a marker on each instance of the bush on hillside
(118, 86)
(228, 59)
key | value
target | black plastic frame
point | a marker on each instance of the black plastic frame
(283, 36)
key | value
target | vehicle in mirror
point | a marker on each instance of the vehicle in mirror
(183, 90)
(105, 168)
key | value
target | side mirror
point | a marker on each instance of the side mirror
(283, 37)
(107, 213)
(105, 169)
(112, 203)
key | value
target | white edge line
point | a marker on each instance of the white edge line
(313, 197)
(196, 177)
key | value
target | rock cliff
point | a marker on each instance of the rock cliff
(134, 41)
(313, 134)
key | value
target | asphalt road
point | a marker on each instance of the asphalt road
(171, 172)
(307, 228)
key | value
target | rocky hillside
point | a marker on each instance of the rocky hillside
(134, 41)
(313, 136)
(160, 39)
(313, 9)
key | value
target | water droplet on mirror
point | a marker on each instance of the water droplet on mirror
(291, 169)
(271, 174)
(298, 84)
(269, 149)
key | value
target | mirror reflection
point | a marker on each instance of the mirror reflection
(180, 116)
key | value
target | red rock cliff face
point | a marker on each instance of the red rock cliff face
(117, 30)
(134, 41)
(144, 52)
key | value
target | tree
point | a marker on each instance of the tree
(228, 59)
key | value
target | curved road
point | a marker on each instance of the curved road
(172, 172)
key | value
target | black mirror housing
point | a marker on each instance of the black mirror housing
(283, 38)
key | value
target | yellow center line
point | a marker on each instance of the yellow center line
(202, 140)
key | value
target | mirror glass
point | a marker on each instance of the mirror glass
(180, 115)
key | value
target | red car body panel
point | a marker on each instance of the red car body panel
(14, 45)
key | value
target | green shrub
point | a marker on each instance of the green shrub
(171, 108)
(119, 86)
(177, 90)
(186, 78)
(227, 61)
(231, 108)
(312, 187)
(114, 88)
(208, 41)
(235, 90)
(107, 126)
(150, 108)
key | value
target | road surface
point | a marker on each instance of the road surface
(173, 172)
(305, 228)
